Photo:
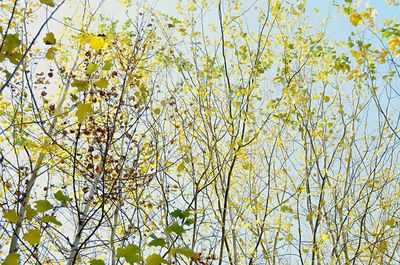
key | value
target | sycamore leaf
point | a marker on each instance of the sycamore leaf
(84, 110)
(183, 251)
(50, 219)
(157, 242)
(11, 216)
(11, 259)
(155, 259)
(174, 227)
(131, 253)
(48, 2)
(43, 206)
(96, 42)
(180, 214)
(49, 39)
(33, 236)
(62, 198)
(101, 83)
(97, 262)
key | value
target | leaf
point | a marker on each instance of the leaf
(33, 236)
(107, 65)
(181, 167)
(48, 2)
(49, 39)
(355, 19)
(11, 42)
(80, 84)
(11, 259)
(176, 228)
(131, 253)
(50, 54)
(62, 198)
(11, 216)
(29, 212)
(382, 246)
(189, 221)
(155, 259)
(158, 242)
(84, 110)
(391, 222)
(183, 251)
(50, 219)
(96, 42)
(43, 206)
(101, 83)
(91, 68)
(97, 262)
(180, 214)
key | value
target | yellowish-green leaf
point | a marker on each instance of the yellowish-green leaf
(43, 206)
(84, 110)
(48, 2)
(50, 54)
(29, 212)
(33, 236)
(101, 83)
(49, 39)
(91, 68)
(50, 219)
(12, 259)
(11, 216)
(355, 19)
(155, 259)
(97, 262)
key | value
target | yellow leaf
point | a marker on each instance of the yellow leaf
(382, 246)
(49, 39)
(355, 19)
(84, 110)
(391, 222)
(96, 42)
(181, 167)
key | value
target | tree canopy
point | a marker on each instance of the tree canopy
(199, 132)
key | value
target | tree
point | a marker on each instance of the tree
(227, 133)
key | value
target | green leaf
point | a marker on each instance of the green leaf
(101, 83)
(107, 65)
(49, 39)
(33, 236)
(48, 2)
(11, 216)
(183, 251)
(84, 110)
(97, 262)
(155, 259)
(189, 221)
(80, 84)
(131, 253)
(11, 259)
(62, 198)
(43, 206)
(50, 219)
(176, 228)
(91, 68)
(180, 214)
(157, 242)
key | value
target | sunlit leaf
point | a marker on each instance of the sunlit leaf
(33, 236)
